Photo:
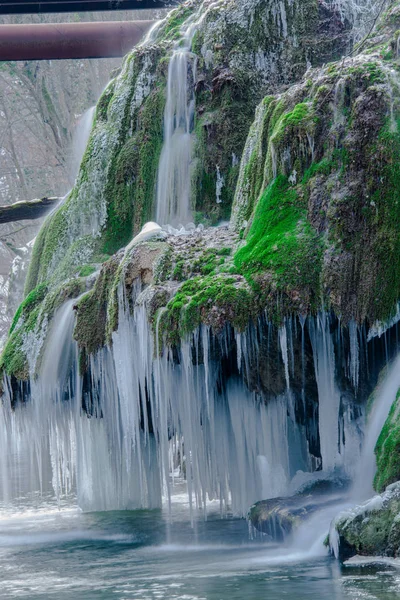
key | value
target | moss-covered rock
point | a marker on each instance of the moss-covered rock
(319, 184)
(22, 353)
(371, 529)
(246, 50)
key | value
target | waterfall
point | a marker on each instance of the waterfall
(329, 395)
(174, 172)
(118, 435)
(384, 398)
(79, 142)
(32, 460)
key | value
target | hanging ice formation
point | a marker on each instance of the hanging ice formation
(207, 410)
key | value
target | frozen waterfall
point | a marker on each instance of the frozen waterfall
(118, 435)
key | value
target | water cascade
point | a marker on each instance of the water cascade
(175, 168)
(116, 435)
(384, 397)
(79, 142)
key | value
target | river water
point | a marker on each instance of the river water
(48, 553)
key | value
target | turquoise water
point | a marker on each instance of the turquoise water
(46, 553)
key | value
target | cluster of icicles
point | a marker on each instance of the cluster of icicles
(118, 440)
(148, 418)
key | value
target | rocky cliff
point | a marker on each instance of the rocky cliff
(291, 266)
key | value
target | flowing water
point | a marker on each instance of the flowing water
(46, 554)
(80, 139)
(60, 450)
(174, 437)
(173, 205)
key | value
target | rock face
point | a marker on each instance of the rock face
(371, 529)
(237, 62)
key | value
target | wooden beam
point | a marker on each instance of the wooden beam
(27, 210)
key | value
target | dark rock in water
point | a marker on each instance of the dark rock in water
(278, 517)
(370, 529)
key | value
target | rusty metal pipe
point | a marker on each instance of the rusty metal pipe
(20, 7)
(55, 41)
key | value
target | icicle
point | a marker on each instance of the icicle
(354, 354)
(284, 349)
(220, 184)
(328, 394)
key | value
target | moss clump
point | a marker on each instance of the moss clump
(282, 242)
(387, 450)
(13, 360)
(104, 101)
(30, 302)
(87, 270)
(91, 322)
(213, 300)
(383, 216)
(221, 133)
(368, 534)
(175, 20)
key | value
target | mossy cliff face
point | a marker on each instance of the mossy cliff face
(317, 197)
(245, 51)
(241, 50)
(115, 191)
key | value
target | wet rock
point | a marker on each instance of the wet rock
(370, 529)
(278, 517)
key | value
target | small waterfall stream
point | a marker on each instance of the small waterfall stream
(79, 142)
(175, 168)
(384, 397)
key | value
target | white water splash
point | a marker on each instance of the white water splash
(384, 398)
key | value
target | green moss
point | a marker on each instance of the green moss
(103, 103)
(92, 310)
(131, 185)
(281, 241)
(384, 217)
(52, 235)
(387, 450)
(212, 299)
(32, 299)
(324, 167)
(87, 270)
(178, 271)
(368, 534)
(301, 120)
(176, 18)
(223, 251)
(13, 359)
(221, 133)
